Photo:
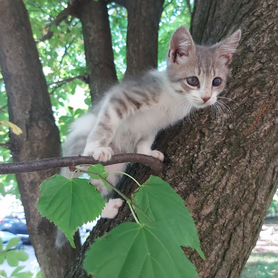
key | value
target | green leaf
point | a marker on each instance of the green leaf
(98, 172)
(2, 257)
(69, 203)
(12, 258)
(134, 250)
(15, 129)
(3, 273)
(157, 204)
(39, 275)
(12, 243)
(18, 273)
(21, 255)
(18, 269)
(1, 244)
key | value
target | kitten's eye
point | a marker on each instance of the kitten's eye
(193, 81)
(217, 81)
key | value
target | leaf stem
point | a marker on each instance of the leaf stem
(125, 174)
(133, 212)
(128, 201)
(114, 188)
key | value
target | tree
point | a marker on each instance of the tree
(30, 108)
(225, 171)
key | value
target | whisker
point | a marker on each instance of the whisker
(225, 107)
(220, 109)
(213, 109)
(224, 97)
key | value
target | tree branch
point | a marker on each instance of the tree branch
(60, 83)
(63, 15)
(71, 161)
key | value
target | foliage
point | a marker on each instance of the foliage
(175, 14)
(273, 208)
(156, 202)
(261, 265)
(69, 203)
(13, 257)
(63, 58)
(151, 247)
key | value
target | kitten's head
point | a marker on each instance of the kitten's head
(200, 72)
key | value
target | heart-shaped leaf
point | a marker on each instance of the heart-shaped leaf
(157, 204)
(69, 203)
(134, 250)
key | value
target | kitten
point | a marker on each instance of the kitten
(131, 113)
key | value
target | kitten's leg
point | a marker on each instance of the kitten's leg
(144, 147)
(116, 108)
(112, 206)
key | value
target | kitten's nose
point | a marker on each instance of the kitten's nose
(205, 99)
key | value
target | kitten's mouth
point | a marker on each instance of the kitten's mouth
(200, 104)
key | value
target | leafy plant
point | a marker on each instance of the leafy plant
(69, 203)
(150, 247)
(13, 257)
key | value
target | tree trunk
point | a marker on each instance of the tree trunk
(30, 109)
(98, 46)
(233, 169)
(142, 34)
(225, 168)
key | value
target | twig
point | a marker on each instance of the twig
(60, 83)
(44, 164)
(63, 15)
(5, 146)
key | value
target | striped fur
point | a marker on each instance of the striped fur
(131, 113)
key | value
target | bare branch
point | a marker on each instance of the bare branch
(63, 15)
(44, 164)
(61, 83)
(5, 145)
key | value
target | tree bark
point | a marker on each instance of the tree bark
(98, 46)
(234, 172)
(142, 34)
(225, 168)
(30, 109)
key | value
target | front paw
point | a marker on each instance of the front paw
(111, 208)
(99, 153)
(157, 154)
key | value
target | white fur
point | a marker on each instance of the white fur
(111, 208)
(144, 123)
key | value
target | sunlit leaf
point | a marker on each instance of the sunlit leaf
(134, 250)
(13, 243)
(69, 203)
(97, 172)
(15, 129)
(156, 202)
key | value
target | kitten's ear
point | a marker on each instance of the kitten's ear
(181, 46)
(227, 47)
